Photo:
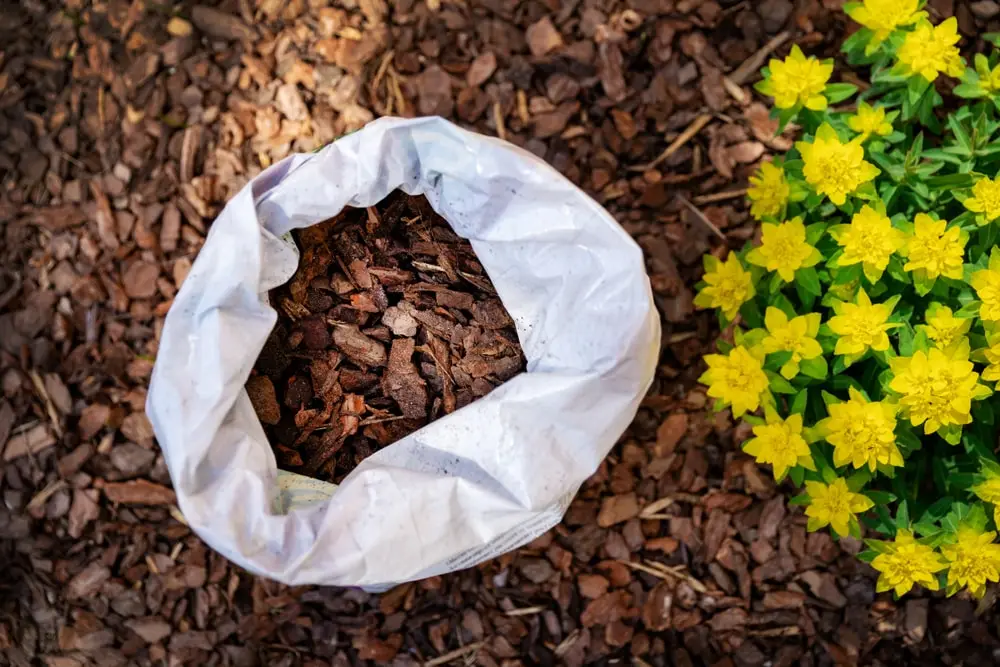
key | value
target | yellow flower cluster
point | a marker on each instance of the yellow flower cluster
(864, 319)
(797, 80)
(834, 168)
(883, 17)
(931, 50)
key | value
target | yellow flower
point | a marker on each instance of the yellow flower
(797, 336)
(943, 327)
(784, 249)
(797, 80)
(728, 286)
(989, 80)
(985, 200)
(989, 490)
(868, 121)
(986, 282)
(933, 250)
(862, 433)
(768, 192)
(936, 388)
(992, 354)
(931, 50)
(737, 379)
(861, 325)
(780, 443)
(870, 239)
(884, 16)
(834, 505)
(973, 559)
(907, 562)
(833, 168)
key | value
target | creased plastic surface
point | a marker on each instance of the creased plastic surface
(476, 483)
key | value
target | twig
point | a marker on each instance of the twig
(701, 217)
(43, 496)
(655, 507)
(50, 407)
(693, 129)
(719, 196)
(735, 91)
(645, 568)
(451, 655)
(567, 643)
(678, 571)
(380, 420)
(175, 512)
(740, 75)
(525, 611)
(498, 121)
(680, 337)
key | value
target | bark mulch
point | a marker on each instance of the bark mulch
(125, 125)
(393, 276)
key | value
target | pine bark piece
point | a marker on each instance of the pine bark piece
(139, 492)
(360, 348)
(263, 398)
(221, 25)
(402, 381)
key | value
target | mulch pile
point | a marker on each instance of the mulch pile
(373, 288)
(124, 127)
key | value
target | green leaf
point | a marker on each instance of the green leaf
(798, 476)
(970, 309)
(857, 481)
(801, 500)
(807, 280)
(961, 136)
(951, 433)
(881, 498)
(916, 86)
(777, 359)
(838, 92)
(815, 231)
(902, 516)
(779, 384)
(751, 314)
(905, 334)
(950, 181)
(815, 368)
(799, 402)
(969, 90)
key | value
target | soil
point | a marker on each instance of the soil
(125, 125)
(389, 323)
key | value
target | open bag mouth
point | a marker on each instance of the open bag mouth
(470, 485)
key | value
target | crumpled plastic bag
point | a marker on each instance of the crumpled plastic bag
(471, 485)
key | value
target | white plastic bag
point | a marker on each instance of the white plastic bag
(469, 486)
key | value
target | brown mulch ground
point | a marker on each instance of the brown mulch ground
(124, 127)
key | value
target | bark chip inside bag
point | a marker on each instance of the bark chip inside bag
(397, 357)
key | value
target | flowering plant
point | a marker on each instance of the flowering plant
(866, 321)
